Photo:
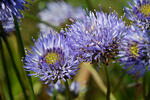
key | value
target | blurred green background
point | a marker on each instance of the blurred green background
(124, 87)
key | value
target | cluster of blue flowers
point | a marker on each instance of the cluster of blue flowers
(139, 13)
(134, 51)
(94, 37)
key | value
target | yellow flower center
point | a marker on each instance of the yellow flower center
(145, 9)
(134, 50)
(51, 58)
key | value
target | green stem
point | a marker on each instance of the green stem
(13, 62)
(98, 80)
(67, 91)
(6, 71)
(2, 96)
(108, 83)
(54, 94)
(148, 96)
(21, 48)
(144, 87)
(19, 39)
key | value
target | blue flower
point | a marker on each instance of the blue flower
(11, 8)
(96, 36)
(56, 14)
(51, 59)
(8, 9)
(139, 12)
(134, 52)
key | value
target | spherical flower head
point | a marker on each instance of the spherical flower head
(134, 52)
(56, 13)
(8, 9)
(51, 59)
(139, 12)
(96, 36)
(11, 8)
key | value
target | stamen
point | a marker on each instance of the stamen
(134, 50)
(145, 9)
(51, 58)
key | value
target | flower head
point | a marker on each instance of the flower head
(139, 12)
(8, 9)
(134, 52)
(11, 8)
(96, 36)
(51, 59)
(57, 13)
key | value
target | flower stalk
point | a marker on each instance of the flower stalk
(22, 53)
(67, 91)
(13, 62)
(54, 94)
(6, 71)
(144, 85)
(108, 83)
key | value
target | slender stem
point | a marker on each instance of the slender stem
(13, 62)
(54, 94)
(98, 80)
(21, 47)
(108, 83)
(144, 87)
(19, 39)
(2, 96)
(67, 91)
(148, 96)
(6, 71)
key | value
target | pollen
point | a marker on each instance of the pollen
(51, 58)
(145, 9)
(134, 50)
